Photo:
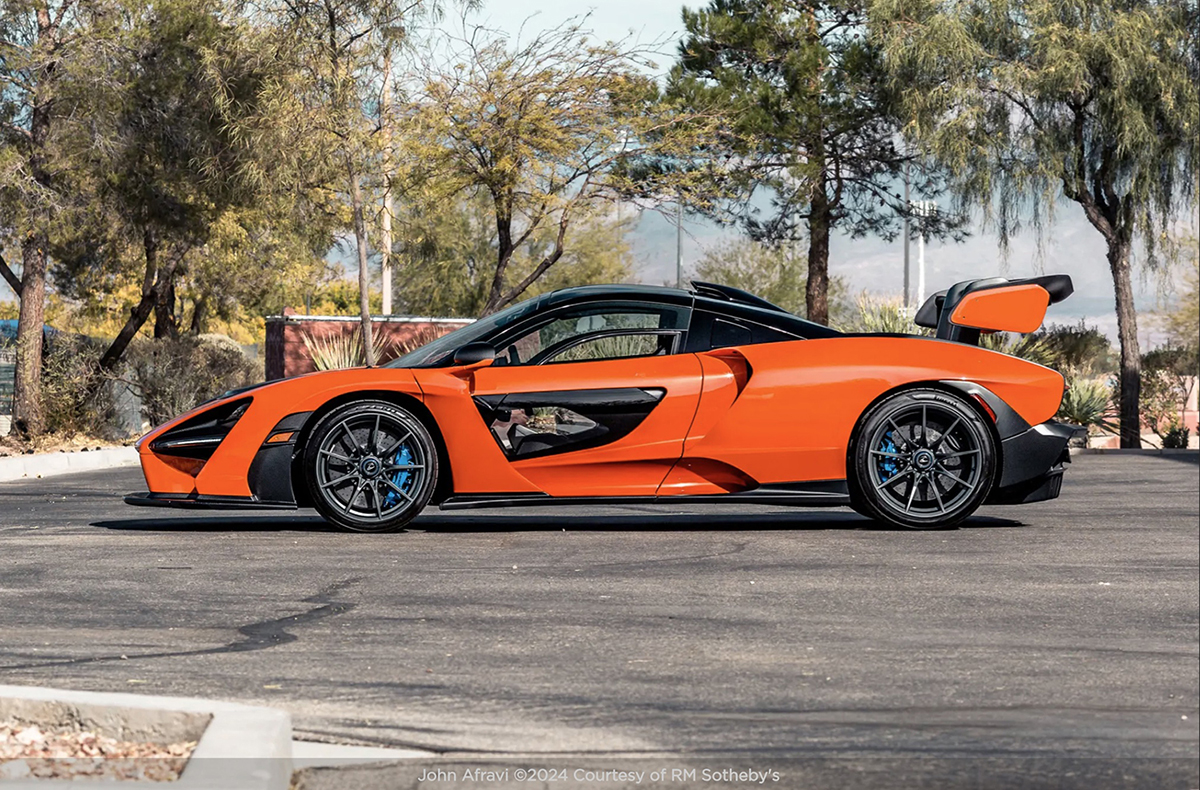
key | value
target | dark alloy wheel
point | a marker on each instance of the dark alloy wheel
(371, 466)
(923, 459)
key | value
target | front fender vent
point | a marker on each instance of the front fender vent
(198, 436)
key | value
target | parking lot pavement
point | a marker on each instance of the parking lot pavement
(1065, 629)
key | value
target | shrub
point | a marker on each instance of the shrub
(77, 398)
(1081, 349)
(1086, 403)
(882, 315)
(1168, 376)
(338, 352)
(172, 375)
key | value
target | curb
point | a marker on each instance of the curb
(1130, 451)
(241, 748)
(18, 467)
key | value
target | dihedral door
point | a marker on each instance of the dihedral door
(591, 428)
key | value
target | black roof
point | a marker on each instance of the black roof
(720, 299)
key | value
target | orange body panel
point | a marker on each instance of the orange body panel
(1017, 308)
(730, 419)
(793, 420)
(224, 474)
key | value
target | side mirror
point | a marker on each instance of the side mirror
(474, 353)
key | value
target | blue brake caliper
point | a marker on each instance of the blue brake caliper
(400, 477)
(887, 466)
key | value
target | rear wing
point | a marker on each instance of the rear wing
(995, 304)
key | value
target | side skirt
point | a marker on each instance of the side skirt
(201, 501)
(823, 493)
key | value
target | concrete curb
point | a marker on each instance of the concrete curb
(1131, 451)
(241, 748)
(18, 467)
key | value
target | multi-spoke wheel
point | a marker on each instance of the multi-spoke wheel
(922, 459)
(371, 466)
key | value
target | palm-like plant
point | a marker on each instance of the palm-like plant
(1086, 403)
(339, 352)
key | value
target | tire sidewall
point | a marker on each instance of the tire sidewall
(353, 523)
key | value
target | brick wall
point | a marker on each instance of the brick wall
(287, 355)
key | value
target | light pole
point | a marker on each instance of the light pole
(907, 202)
(679, 241)
(923, 209)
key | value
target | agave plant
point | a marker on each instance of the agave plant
(343, 351)
(886, 316)
(1086, 403)
(1028, 347)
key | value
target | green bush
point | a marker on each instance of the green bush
(77, 397)
(1086, 403)
(172, 375)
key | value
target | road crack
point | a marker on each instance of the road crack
(260, 635)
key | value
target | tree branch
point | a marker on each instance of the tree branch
(10, 277)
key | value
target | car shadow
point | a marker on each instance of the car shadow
(524, 521)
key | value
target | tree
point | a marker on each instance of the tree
(812, 122)
(774, 272)
(344, 51)
(1182, 321)
(447, 251)
(35, 39)
(1027, 101)
(550, 132)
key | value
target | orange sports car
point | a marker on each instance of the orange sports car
(633, 393)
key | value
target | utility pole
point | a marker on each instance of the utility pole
(924, 209)
(907, 205)
(385, 118)
(679, 242)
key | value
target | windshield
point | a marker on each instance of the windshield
(441, 351)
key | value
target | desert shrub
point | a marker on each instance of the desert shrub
(77, 398)
(873, 314)
(1086, 403)
(172, 375)
(1083, 350)
(338, 352)
(1028, 347)
(1168, 377)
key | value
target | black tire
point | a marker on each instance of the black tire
(371, 466)
(922, 459)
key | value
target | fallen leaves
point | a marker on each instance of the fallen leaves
(28, 752)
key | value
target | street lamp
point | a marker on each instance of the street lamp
(923, 209)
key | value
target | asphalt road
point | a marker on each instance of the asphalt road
(1054, 640)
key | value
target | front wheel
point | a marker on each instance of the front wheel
(923, 459)
(371, 466)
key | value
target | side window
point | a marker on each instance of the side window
(615, 346)
(597, 332)
(765, 334)
(726, 333)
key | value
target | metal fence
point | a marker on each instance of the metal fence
(8, 374)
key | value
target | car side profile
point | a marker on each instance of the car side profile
(635, 393)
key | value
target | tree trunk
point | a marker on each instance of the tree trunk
(199, 308)
(816, 296)
(165, 324)
(385, 234)
(364, 281)
(28, 419)
(1131, 355)
(155, 279)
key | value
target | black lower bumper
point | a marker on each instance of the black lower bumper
(1033, 464)
(200, 501)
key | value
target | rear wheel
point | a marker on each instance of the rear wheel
(371, 466)
(923, 459)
